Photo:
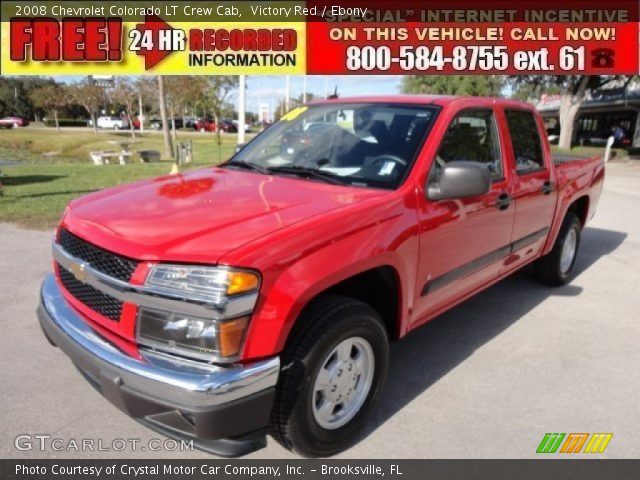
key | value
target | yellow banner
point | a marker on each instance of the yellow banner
(209, 49)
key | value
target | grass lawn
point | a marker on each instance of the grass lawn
(39, 145)
(38, 187)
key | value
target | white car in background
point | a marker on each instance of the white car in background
(112, 123)
(247, 126)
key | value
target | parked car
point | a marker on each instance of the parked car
(276, 315)
(111, 122)
(156, 123)
(13, 122)
(209, 125)
(204, 125)
(228, 126)
(247, 126)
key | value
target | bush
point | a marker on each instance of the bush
(634, 152)
(66, 122)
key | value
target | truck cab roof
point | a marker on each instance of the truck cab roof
(438, 100)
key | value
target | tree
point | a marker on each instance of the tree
(183, 92)
(147, 91)
(51, 98)
(162, 102)
(91, 97)
(219, 88)
(15, 96)
(251, 117)
(528, 92)
(574, 90)
(281, 108)
(125, 93)
(479, 85)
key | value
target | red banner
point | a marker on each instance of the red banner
(456, 37)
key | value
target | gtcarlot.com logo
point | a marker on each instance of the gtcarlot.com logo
(573, 442)
(45, 442)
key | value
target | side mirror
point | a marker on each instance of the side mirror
(460, 179)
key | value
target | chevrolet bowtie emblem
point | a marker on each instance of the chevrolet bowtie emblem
(79, 272)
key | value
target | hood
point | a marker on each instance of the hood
(201, 215)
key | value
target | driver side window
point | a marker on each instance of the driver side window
(472, 136)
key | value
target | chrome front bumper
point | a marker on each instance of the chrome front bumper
(160, 385)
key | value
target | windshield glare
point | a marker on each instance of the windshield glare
(368, 145)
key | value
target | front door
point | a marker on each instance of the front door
(464, 241)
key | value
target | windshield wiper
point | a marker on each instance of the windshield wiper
(246, 165)
(309, 173)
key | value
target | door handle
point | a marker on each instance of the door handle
(547, 187)
(503, 201)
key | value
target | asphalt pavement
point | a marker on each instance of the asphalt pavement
(485, 380)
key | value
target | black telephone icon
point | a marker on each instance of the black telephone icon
(603, 58)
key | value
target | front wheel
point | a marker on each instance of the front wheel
(557, 267)
(333, 369)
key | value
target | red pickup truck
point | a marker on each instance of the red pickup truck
(260, 296)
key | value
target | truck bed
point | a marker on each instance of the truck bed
(559, 158)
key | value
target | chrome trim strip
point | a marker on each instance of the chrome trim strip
(165, 377)
(159, 299)
(481, 262)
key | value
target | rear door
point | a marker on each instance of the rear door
(533, 186)
(464, 241)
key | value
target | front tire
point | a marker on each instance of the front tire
(557, 267)
(334, 366)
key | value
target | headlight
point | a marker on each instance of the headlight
(200, 338)
(203, 283)
(231, 292)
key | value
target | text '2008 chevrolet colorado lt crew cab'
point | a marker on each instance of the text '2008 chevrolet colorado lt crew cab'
(260, 296)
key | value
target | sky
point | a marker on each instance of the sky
(270, 89)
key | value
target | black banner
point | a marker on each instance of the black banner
(321, 469)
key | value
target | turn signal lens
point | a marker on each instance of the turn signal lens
(231, 336)
(241, 282)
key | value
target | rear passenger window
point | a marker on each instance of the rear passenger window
(472, 137)
(525, 140)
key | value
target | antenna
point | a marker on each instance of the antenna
(334, 95)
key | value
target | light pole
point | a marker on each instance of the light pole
(304, 89)
(286, 94)
(241, 109)
(141, 114)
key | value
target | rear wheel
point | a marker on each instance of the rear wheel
(333, 369)
(557, 267)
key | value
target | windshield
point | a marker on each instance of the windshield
(368, 145)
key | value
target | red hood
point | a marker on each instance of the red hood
(201, 215)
